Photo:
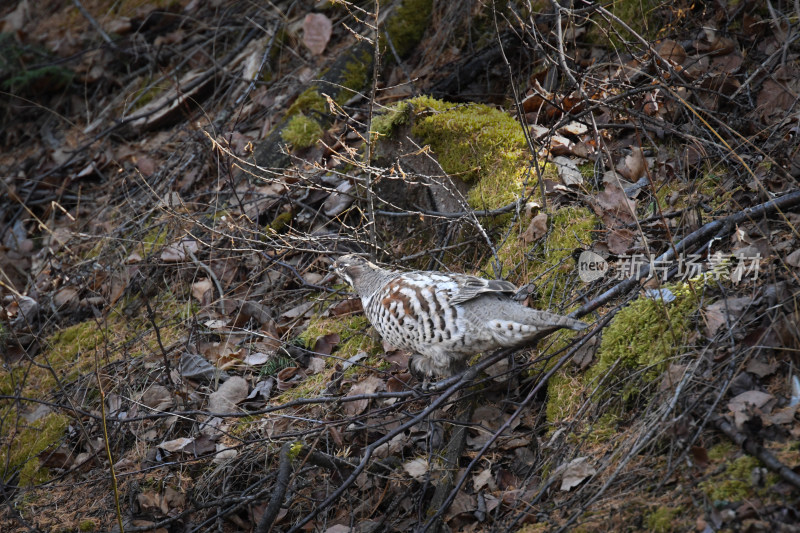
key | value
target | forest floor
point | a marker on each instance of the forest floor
(178, 176)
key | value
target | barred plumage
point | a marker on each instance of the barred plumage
(444, 319)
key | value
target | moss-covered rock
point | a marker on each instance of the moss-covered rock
(638, 344)
(21, 448)
(660, 520)
(735, 482)
(407, 24)
(301, 132)
(643, 337)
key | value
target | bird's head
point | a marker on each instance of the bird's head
(354, 270)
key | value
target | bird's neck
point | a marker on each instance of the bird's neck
(368, 285)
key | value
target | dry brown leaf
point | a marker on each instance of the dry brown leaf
(576, 472)
(203, 291)
(346, 307)
(398, 382)
(257, 358)
(305, 309)
(744, 405)
(179, 251)
(146, 165)
(793, 259)
(66, 297)
(614, 207)
(229, 394)
(671, 51)
(536, 229)
(567, 169)
(158, 397)
(176, 445)
(316, 32)
(367, 386)
(620, 240)
(325, 344)
(761, 368)
(632, 166)
(416, 468)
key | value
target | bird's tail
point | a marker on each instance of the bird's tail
(545, 320)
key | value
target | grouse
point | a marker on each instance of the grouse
(444, 319)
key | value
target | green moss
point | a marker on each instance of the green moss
(281, 222)
(355, 77)
(642, 338)
(87, 525)
(563, 397)
(569, 228)
(34, 81)
(295, 450)
(351, 331)
(309, 100)
(309, 388)
(734, 484)
(660, 520)
(155, 238)
(69, 352)
(587, 170)
(481, 145)
(21, 448)
(407, 24)
(721, 451)
(301, 131)
(396, 115)
(147, 93)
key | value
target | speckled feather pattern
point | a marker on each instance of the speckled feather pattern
(444, 319)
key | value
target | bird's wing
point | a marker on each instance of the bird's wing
(469, 287)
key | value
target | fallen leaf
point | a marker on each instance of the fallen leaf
(576, 472)
(158, 397)
(325, 344)
(257, 358)
(176, 445)
(339, 200)
(339, 528)
(346, 307)
(700, 456)
(632, 166)
(65, 298)
(195, 366)
(179, 251)
(614, 207)
(568, 171)
(316, 365)
(224, 454)
(743, 404)
(793, 259)
(316, 32)
(536, 229)
(482, 479)
(230, 393)
(416, 468)
(262, 388)
(302, 310)
(761, 368)
(367, 386)
(781, 416)
(203, 291)
(620, 240)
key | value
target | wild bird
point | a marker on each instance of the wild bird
(444, 319)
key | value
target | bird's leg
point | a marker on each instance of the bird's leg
(419, 369)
